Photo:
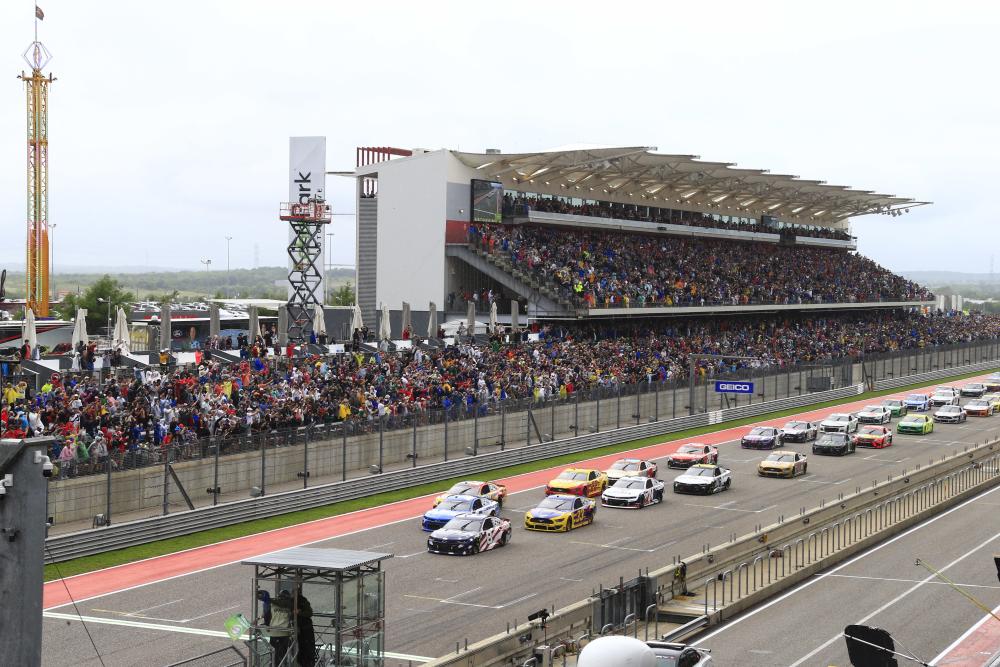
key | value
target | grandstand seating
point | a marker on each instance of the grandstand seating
(597, 269)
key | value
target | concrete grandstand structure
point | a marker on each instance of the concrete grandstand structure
(416, 209)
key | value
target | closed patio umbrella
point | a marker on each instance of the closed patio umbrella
(432, 321)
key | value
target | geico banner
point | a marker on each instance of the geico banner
(733, 387)
(307, 178)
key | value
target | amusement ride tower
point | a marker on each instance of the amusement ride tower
(37, 259)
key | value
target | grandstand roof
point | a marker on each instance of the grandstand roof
(639, 175)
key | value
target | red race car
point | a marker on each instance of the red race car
(692, 453)
(873, 436)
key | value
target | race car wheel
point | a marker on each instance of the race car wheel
(475, 548)
(725, 487)
(499, 503)
(805, 468)
(659, 496)
(505, 538)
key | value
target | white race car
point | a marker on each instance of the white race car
(839, 421)
(875, 414)
(633, 492)
(703, 478)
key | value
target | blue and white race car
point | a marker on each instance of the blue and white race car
(919, 402)
(452, 506)
(468, 534)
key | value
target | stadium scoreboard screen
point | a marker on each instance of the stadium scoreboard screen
(487, 201)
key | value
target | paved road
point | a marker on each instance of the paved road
(882, 587)
(435, 601)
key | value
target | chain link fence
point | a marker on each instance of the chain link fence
(146, 480)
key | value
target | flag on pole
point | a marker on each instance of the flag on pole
(39, 14)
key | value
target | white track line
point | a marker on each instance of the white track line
(961, 639)
(821, 577)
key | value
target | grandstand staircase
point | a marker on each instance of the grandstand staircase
(540, 296)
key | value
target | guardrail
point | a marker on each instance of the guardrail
(74, 545)
(734, 576)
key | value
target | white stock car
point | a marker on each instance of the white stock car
(875, 414)
(633, 492)
(703, 478)
(799, 431)
(839, 421)
(468, 534)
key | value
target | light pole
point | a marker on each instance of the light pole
(329, 263)
(107, 301)
(229, 284)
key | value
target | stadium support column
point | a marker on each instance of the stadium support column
(22, 524)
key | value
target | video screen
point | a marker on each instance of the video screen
(487, 201)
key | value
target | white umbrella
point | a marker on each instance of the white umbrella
(253, 327)
(515, 315)
(165, 326)
(471, 317)
(319, 321)
(356, 322)
(213, 320)
(407, 323)
(493, 317)
(432, 321)
(79, 327)
(29, 329)
(122, 339)
(384, 328)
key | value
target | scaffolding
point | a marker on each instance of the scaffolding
(307, 220)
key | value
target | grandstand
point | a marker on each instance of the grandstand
(585, 233)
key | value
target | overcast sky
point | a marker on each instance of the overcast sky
(169, 123)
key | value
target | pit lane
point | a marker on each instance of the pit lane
(434, 602)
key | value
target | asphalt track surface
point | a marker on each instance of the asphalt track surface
(161, 610)
(885, 588)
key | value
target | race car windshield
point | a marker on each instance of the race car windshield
(916, 419)
(462, 488)
(631, 483)
(561, 504)
(840, 418)
(689, 449)
(625, 465)
(701, 472)
(574, 476)
(871, 430)
(977, 404)
(780, 458)
(873, 408)
(892, 404)
(796, 425)
(456, 505)
(917, 397)
(465, 525)
(760, 431)
(950, 409)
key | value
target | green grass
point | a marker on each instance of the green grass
(172, 545)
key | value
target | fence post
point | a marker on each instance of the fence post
(381, 436)
(656, 401)
(503, 425)
(343, 450)
(446, 434)
(107, 512)
(414, 441)
(263, 464)
(638, 395)
(552, 419)
(527, 427)
(597, 422)
(166, 481)
(618, 417)
(475, 430)
(576, 412)
(305, 461)
(215, 476)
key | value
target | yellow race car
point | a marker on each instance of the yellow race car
(559, 513)
(994, 399)
(782, 463)
(490, 490)
(578, 482)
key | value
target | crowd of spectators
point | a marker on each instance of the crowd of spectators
(521, 205)
(598, 269)
(128, 420)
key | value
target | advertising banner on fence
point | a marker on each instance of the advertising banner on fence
(732, 387)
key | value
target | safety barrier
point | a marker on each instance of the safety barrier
(73, 545)
(733, 576)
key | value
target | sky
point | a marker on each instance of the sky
(169, 122)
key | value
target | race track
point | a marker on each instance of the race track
(173, 608)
